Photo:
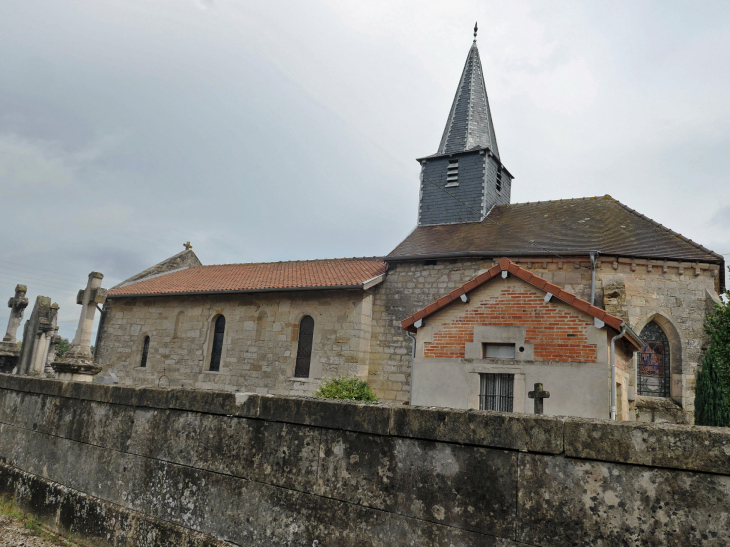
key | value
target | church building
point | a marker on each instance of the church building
(482, 300)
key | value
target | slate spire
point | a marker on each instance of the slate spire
(470, 121)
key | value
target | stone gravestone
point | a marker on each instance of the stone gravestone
(539, 394)
(78, 363)
(34, 352)
(52, 342)
(9, 349)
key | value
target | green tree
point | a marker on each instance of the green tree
(712, 393)
(62, 347)
(346, 387)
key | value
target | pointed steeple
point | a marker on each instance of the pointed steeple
(470, 124)
(465, 178)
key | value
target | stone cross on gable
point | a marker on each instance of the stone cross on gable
(539, 394)
(78, 363)
(17, 306)
(187, 246)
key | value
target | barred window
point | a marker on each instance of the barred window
(497, 392)
(145, 351)
(304, 347)
(217, 350)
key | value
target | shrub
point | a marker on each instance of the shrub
(346, 387)
(712, 393)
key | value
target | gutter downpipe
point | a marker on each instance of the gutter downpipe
(593, 278)
(624, 326)
(413, 358)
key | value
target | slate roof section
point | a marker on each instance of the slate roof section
(469, 126)
(567, 227)
(342, 273)
(535, 280)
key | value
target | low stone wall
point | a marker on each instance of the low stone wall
(148, 467)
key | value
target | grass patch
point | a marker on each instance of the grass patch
(33, 525)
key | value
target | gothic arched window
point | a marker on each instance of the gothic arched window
(217, 349)
(304, 348)
(145, 351)
(654, 373)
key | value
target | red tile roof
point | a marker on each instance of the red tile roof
(259, 277)
(506, 264)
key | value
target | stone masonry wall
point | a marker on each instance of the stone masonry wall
(260, 341)
(675, 294)
(148, 467)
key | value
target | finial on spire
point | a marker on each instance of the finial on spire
(475, 31)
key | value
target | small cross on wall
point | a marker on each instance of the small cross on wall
(539, 394)
(187, 246)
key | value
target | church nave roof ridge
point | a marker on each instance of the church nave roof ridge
(298, 261)
(325, 274)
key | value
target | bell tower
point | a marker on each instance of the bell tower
(465, 178)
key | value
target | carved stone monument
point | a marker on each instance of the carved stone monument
(52, 339)
(9, 349)
(78, 363)
(34, 352)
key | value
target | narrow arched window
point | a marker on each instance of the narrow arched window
(654, 373)
(145, 351)
(304, 348)
(178, 324)
(217, 350)
(261, 326)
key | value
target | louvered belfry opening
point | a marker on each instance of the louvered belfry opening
(452, 173)
(304, 347)
(217, 350)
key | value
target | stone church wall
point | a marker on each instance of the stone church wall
(145, 467)
(675, 294)
(260, 341)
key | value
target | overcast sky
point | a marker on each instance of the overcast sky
(283, 130)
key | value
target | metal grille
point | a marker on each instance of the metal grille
(304, 347)
(654, 364)
(215, 355)
(145, 351)
(497, 392)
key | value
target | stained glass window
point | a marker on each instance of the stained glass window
(654, 366)
(304, 348)
(497, 392)
(145, 351)
(215, 355)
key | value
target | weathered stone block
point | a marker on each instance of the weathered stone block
(660, 445)
(588, 503)
(349, 416)
(477, 427)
